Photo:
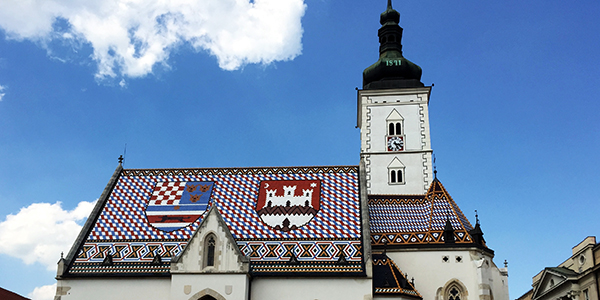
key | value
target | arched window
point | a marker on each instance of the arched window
(396, 172)
(454, 290)
(454, 293)
(207, 297)
(398, 128)
(391, 129)
(209, 249)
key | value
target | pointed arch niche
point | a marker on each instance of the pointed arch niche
(396, 172)
(207, 294)
(453, 290)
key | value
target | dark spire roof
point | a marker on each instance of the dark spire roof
(448, 232)
(477, 233)
(392, 70)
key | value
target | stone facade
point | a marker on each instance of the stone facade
(577, 278)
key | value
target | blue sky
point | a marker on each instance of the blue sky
(513, 111)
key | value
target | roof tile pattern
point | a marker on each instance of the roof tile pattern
(123, 230)
(416, 219)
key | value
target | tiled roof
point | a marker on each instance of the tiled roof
(389, 280)
(8, 295)
(416, 219)
(149, 212)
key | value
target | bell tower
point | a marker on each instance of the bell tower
(393, 118)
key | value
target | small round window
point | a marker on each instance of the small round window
(581, 259)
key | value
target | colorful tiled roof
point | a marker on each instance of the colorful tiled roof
(416, 219)
(389, 280)
(311, 213)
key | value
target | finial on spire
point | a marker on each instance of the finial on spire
(121, 159)
(389, 4)
(505, 263)
(476, 217)
(61, 255)
(434, 165)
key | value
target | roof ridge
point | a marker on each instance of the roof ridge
(437, 187)
(254, 167)
(455, 207)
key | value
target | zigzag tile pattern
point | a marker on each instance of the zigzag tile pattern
(133, 251)
(302, 250)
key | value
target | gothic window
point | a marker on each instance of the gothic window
(209, 249)
(453, 290)
(454, 293)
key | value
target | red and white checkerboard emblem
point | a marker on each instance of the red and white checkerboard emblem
(288, 204)
(174, 205)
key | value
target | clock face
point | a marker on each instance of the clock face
(395, 143)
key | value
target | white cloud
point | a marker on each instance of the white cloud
(41, 231)
(2, 88)
(45, 292)
(130, 37)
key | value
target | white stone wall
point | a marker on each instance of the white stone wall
(375, 106)
(114, 289)
(194, 286)
(475, 271)
(311, 289)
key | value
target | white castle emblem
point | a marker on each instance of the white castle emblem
(288, 199)
(294, 209)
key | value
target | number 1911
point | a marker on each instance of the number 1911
(391, 63)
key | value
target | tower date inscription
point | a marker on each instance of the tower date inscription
(393, 62)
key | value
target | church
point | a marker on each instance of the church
(383, 229)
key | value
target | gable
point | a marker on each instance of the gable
(150, 212)
(224, 257)
(554, 280)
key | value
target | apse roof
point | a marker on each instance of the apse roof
(310, 213)
(416, 219)
(389, 280)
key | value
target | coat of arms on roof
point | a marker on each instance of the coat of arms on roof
(288, 204)
(174, 205)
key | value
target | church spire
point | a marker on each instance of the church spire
(392, 70)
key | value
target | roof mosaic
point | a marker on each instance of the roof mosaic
(309, 213)
(416, 219)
